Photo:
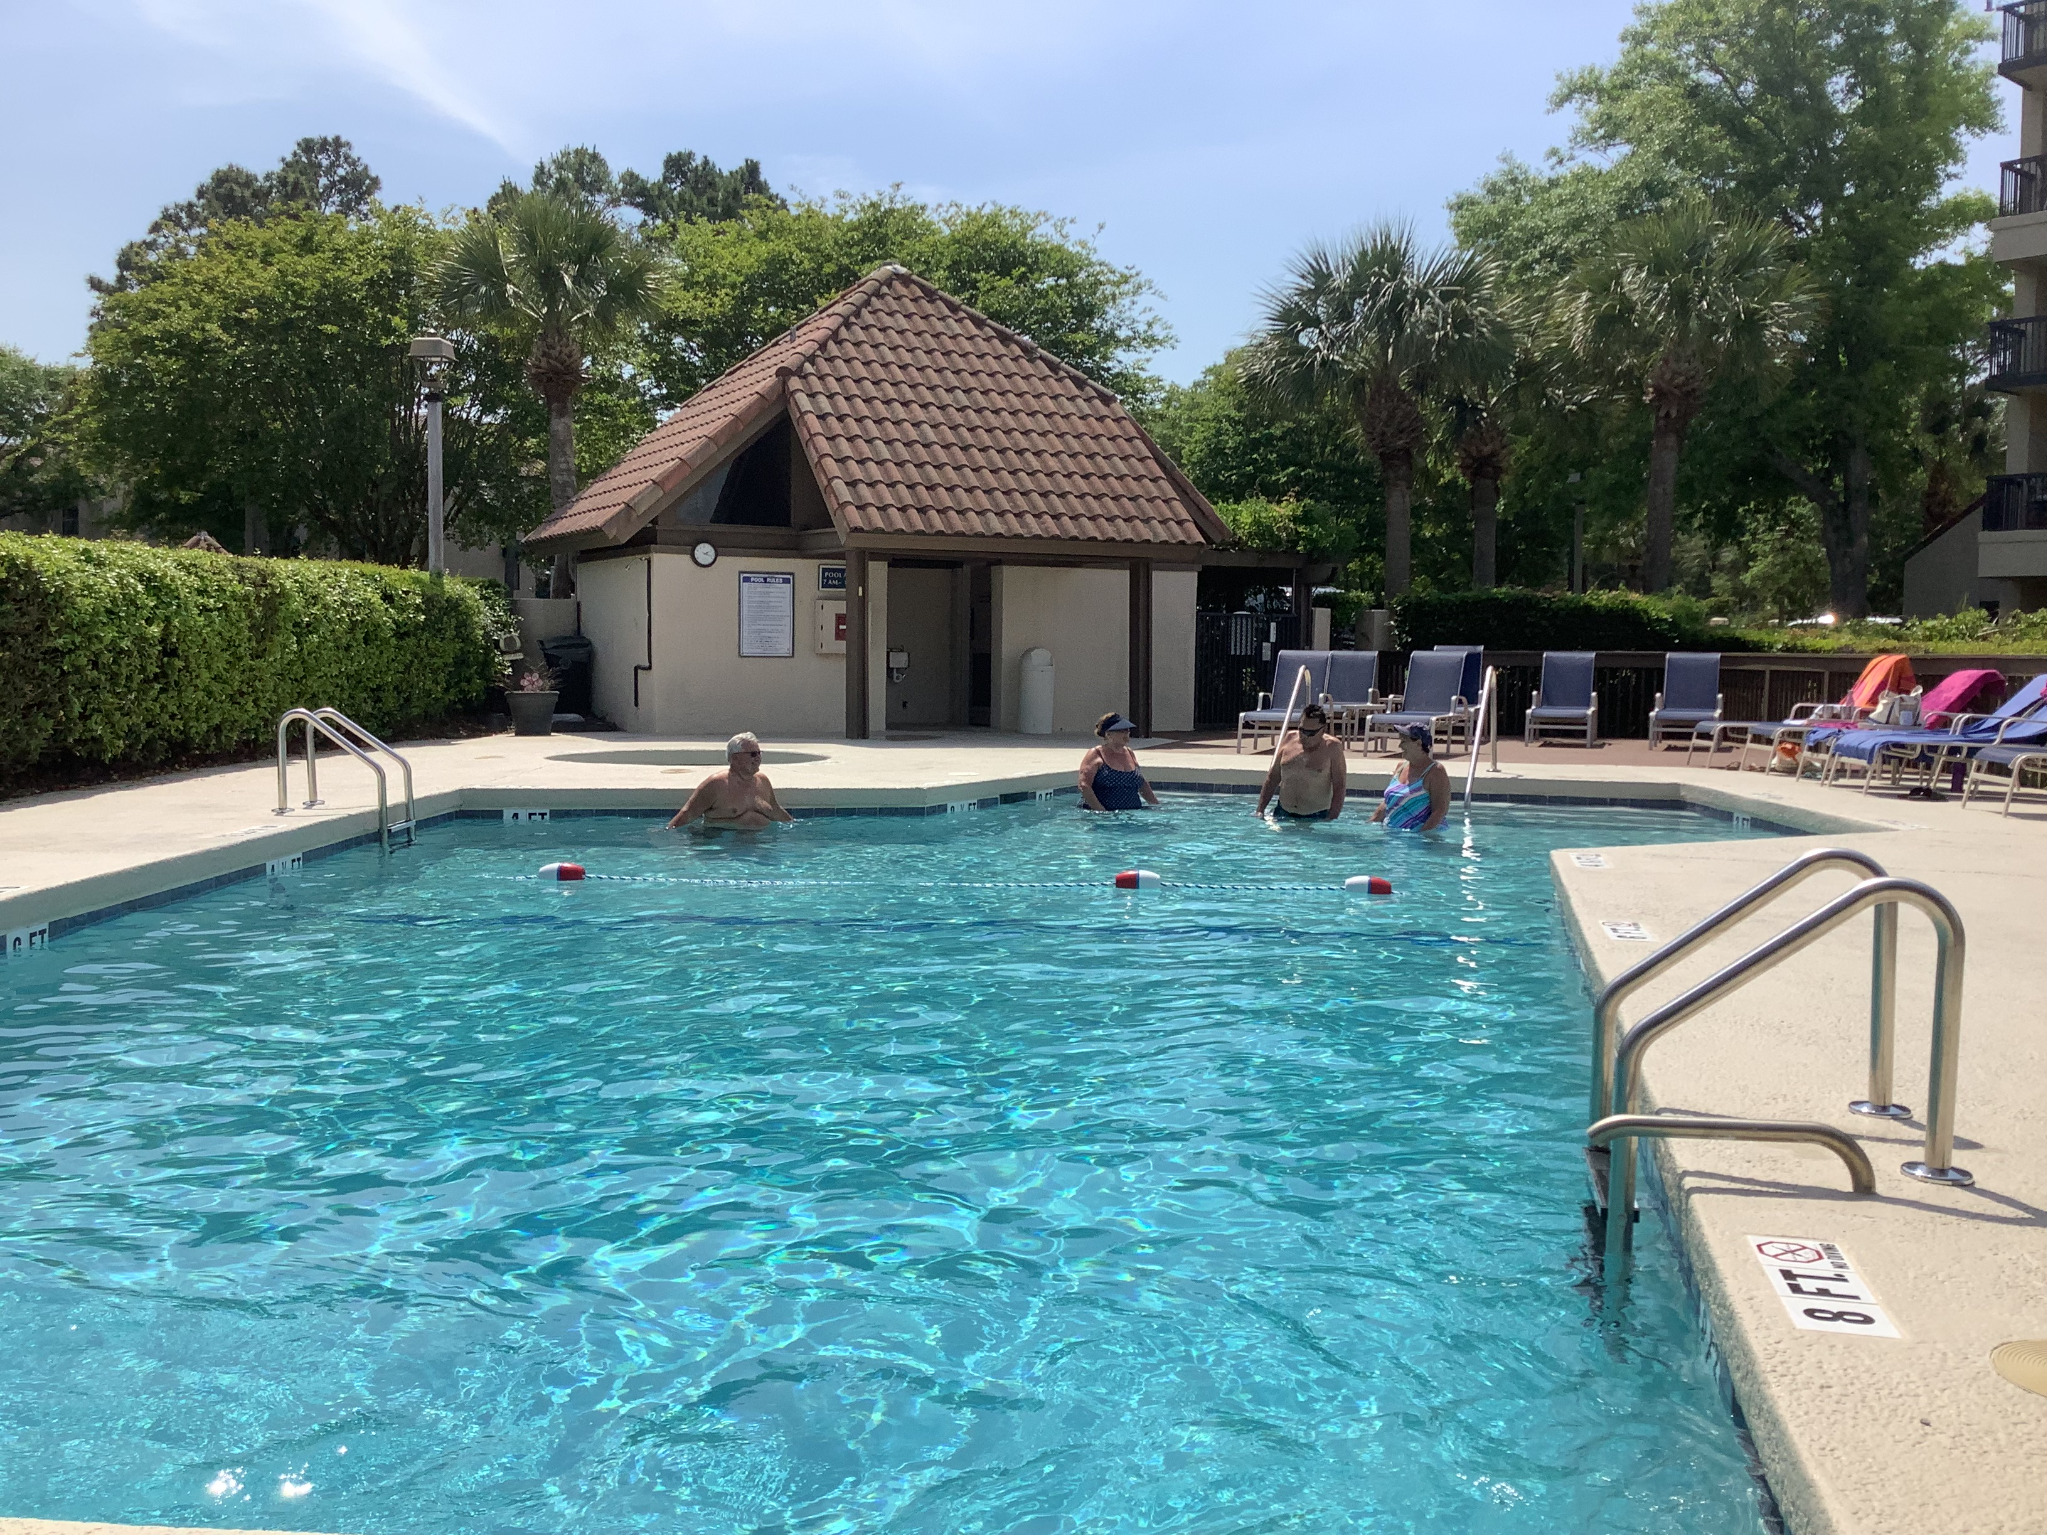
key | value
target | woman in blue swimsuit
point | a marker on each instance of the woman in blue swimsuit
(1110, 779)
(1418, 796)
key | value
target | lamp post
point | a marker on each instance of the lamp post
(436, 352)
(1578, 579)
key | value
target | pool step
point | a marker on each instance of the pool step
(1597, 1159)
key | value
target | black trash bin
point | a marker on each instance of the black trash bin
(571, 657)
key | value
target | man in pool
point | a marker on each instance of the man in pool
(1307, 772)
(739, 797)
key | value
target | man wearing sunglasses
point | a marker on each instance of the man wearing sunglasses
(1307, 772)
(740, 796)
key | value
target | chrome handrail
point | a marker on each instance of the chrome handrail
(1607, 1012)
(1625, 1129)
(1933, 1165)
(1862, 1177)
(315, 723)
(1486, 715)
(334, 716)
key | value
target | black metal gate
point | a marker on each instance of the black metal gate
(1234, 662)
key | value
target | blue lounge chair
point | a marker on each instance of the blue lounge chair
(1431, 697)
(2018, 721)
(1269, 721)
(1566, 699)
(1475, 670)
(1353, 688)
(2017, 761)
(1691, 696)
(1794, 728)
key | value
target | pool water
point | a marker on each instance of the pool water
(414, 1194)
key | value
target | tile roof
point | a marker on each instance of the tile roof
(919, 416)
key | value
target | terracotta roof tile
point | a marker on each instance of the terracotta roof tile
(919, 416)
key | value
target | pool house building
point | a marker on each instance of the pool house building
(897, 515)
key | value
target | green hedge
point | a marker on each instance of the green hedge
(120, 653)
(1515, 619)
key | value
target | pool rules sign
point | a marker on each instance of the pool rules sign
(767, 613)
(1820, 1288)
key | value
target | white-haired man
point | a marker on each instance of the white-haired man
(740, 796)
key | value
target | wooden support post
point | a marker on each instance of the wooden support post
(856, 645)
(1141, 646)
(1304, 611)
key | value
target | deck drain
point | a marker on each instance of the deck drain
(2024, 1363)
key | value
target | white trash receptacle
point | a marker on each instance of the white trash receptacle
(1034, 692)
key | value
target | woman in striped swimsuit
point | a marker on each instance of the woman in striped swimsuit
(1110, 778)
(1418, 796)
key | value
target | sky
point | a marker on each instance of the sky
(1202, 143)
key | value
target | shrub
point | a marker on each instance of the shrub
(1290, 526)
(1516, 619)
(1345, 607)
(122, 653)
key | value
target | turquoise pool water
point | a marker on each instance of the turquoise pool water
(412, 1194)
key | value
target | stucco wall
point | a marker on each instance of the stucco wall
(1943, 577)
(1081, 617)
(1173, 650)
(700, 684)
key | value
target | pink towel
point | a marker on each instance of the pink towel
(1958, 694)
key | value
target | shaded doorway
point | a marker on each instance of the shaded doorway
(923, 615)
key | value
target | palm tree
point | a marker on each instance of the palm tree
(1383, 327)
(558, 274)
(1682, 299)
(1480, 436)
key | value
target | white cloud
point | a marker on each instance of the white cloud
(270, 48)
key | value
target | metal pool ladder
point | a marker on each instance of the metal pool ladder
(359, 744)
(1611, 1151)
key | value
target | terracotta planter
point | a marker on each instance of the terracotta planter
(533, 714)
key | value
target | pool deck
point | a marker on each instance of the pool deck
(1856, 1433)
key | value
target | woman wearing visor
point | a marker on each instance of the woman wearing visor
(1110, 777)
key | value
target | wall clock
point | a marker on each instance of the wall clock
(704, 554)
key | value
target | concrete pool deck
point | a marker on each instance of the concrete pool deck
(1855, 1433)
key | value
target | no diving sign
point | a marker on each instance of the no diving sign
(1819, 1287)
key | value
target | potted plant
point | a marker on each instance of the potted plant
(532, 702)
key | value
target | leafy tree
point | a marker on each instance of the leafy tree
(560, 278)
(690, 189)
(1678, 300)
(693, 190)
(267, 370)
(1846, 122)
(40, 469)
(1383, 327)
(1235, 449)
(320, 175)
(742, 282)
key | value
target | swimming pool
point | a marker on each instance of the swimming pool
(412, 1194)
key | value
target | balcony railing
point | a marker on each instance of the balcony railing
(2013, 503)
(2025, 39)
(2020, 186)
(2019, 360)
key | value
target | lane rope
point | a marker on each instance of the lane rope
(930, 885)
